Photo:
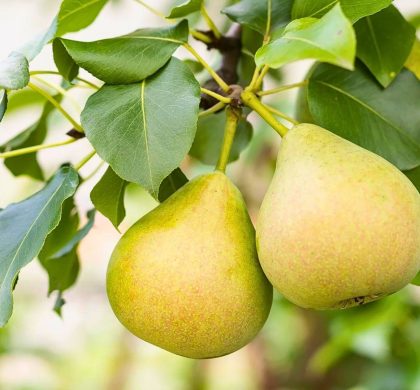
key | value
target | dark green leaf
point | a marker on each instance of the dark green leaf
(384, 41)
(129, 58)
(353, 105)
(254, 13)
(171, 184)
(108, 197)
(413, 60)
(24, 227)
(353, 9)
(209, 138)
(414, 176)
(416, 280)
(59, 303)
(185, 9)
(64, 63)
(14, 71)
(144, 130)
(75, 15)
(329, 39)
(3, 103)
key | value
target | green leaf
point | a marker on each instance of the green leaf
(14, 71)
(64, 63)
(75, 15)
(195, 66)
(27, 164)
(171, 184)
(3, 103)
(384, 42)
(416, 280)
(354, 106)
(254, 13)
(353, 9)
(413, 60)
(129, 58)
(189, 7)
(24, 227)
(414, 176)
(144, 130)
(209, 138)
(329, 39)
(59, 303)
(59, 253)
(108, 197)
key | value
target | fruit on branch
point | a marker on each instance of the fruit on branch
(339, 225)
(186, 276)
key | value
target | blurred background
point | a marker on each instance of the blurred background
(372, 347)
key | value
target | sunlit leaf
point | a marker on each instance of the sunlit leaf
(14, 71)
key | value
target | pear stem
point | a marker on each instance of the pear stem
(232, 119)
(220, 98)
(253, 102)
(33, 149)
(283, 88)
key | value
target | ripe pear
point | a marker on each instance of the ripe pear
(186, 276)
(339, 225)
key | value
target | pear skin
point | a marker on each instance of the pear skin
(339, 225)
(186, 276)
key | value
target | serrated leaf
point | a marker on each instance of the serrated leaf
(14, 71)
(384, 42)
(108, 197)
(3, 103)
(144, 130)
(59, 254)
(254, 13)
(414, 176)
(354, 106)
(171, 184)
(129, 58)
(413, 60)
(184, 9)
(353, 9)
(75, 15)
(24, 227)
(209, 138)
(64, 63)
(329, 39)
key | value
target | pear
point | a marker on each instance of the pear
(339, 225)
(186, 276)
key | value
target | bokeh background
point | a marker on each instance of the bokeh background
(372, 347)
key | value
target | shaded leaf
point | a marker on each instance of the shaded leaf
(75, 15)
(413, 60)
(354, 106)
(129, 58)
(59, 303)
(329, 39)
(108, 197)
(184, 9)
(414, 176)
(384, 41)
(144, 130)
(3, 103)
(24, 227)
(14, 71)
(195, 66)
(209, 138)
(64, 63)
(254, 13)
(171, 184)
(353, 9)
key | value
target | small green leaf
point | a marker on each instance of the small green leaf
(64, 63)
(59, 303)
(189, 7)
(329, 39)
(209, 138)
(353, 9)
(354, 106)
(416, 280)
(144, 130)
(75, 15)
(3, 103)
(384, 42)
(195, 66)
(108, 197)
(129, 58)
(14, 71)
(171, 184)
(254, 13)
(414, 176)
(413, 60)
(24, 227)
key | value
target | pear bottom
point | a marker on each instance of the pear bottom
(186, 277)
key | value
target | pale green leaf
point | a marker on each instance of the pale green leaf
(14, 71)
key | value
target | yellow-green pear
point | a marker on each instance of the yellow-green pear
(186, 276)
(339, 225)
